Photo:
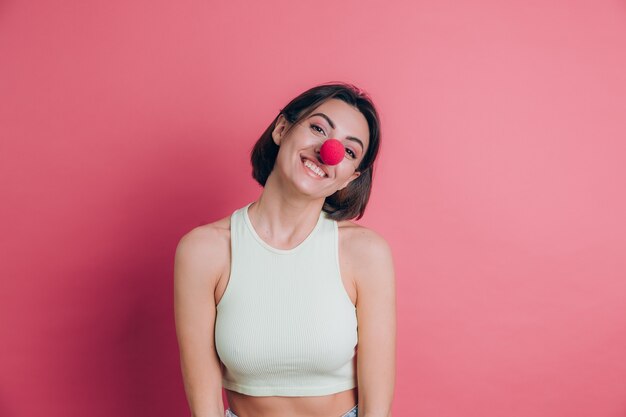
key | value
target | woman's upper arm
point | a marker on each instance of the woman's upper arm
(198, 264)
(376, 315)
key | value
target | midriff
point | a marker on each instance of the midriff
(321, 406)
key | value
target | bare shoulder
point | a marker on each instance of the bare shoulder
(212, 235)
(203, 252)
(362, 241)
(367, 255)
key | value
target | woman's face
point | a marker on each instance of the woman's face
(298, 156)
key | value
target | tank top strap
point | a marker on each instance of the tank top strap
(237, 228)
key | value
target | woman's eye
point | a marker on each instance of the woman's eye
(351, 153)
(318, 129)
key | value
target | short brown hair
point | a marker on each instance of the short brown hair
(350, 202)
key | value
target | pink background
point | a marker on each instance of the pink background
(500, 187)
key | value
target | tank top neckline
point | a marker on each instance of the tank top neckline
(270, 247)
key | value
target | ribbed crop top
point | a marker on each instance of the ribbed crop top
(285, 325)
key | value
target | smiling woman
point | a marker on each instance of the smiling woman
(300, 320)
(306, 109)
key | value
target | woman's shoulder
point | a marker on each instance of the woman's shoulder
(207, 245)
(360, 240)
(366, 257)
(209, 234)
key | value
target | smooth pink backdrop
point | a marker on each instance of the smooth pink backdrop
(500, 187)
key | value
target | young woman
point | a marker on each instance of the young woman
(268, 300)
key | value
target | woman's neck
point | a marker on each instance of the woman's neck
(282, 220)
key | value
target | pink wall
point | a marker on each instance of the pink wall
(124, 124)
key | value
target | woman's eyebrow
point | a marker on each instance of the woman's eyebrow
(332, 125)
(330, 122)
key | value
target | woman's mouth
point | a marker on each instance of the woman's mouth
(314, 168)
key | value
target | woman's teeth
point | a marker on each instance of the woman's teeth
(314, 168)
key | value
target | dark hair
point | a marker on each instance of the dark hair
(349, 202)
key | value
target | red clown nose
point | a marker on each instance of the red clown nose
(332, 152)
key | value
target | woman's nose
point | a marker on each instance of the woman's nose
(332, 151)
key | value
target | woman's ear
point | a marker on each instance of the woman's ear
(280, 129)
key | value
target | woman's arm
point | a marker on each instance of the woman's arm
(197, 268)
(376, 315)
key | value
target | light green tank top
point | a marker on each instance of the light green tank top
(285, 325)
